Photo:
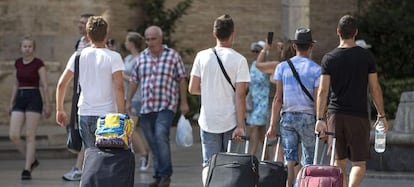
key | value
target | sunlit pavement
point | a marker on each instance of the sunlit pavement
(186, 165)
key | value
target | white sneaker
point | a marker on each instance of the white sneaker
(144, 162)
(73, 175)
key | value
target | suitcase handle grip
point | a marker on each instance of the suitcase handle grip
(327, 133)
(265, 144)
(315, 157)
(245, 138)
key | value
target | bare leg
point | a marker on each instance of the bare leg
(291, 173)
(253, 139)
(280, 155)
(342, 165)
(16, 123)
(32, 122)
(138, 143)
(79, 159)
(257, 134)
(297, 169)
(357, 173)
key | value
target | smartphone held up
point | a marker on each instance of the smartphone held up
(269, 38)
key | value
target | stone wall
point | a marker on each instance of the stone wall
(53, 23)
(324, 16)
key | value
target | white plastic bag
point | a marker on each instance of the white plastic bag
(184, 133)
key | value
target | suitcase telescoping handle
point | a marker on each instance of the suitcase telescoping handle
(315, 156)
(265, 146)
(246, 147)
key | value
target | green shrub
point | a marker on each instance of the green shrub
(392, 89)
(388, 25)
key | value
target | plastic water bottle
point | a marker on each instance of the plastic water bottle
(380, 137)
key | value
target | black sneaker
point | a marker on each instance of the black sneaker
(34, 165)
(26, 175)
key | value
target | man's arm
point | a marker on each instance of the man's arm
(321, 102)
(276, 107)
(119, 91)
(376, 93)
(194, 86)
(61, 117)
(184, 108)
(240, 109)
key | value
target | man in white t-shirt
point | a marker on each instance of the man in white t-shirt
(222, 111)
(75, 173)
(100, 77)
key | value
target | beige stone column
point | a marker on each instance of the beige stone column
(295, 14)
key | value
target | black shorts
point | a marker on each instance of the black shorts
(28, 100)
(352, 136)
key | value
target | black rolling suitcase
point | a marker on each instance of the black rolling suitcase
(233, 169)
(108, 168)
(272, 173)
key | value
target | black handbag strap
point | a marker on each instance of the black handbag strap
(296, 75)
(223, 70)
(76, 93)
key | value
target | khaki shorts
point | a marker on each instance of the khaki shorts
(352, 136)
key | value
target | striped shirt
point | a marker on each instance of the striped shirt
(158, 79)
(82, 44)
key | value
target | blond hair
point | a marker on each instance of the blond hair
(28, 38)
(136, 39)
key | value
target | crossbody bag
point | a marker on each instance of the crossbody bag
(223, 70)
(296, 75)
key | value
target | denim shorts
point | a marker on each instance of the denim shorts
(298, 128)
(87, 128)
(28, 100)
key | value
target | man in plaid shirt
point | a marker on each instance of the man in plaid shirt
(161, 76)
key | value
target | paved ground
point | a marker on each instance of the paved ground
(187, 172)
(49, 173)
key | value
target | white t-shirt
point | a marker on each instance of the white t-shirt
(218, 111)
(96, 66)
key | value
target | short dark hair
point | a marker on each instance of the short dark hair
(303, 47)
(347, 26)
(223, 27)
